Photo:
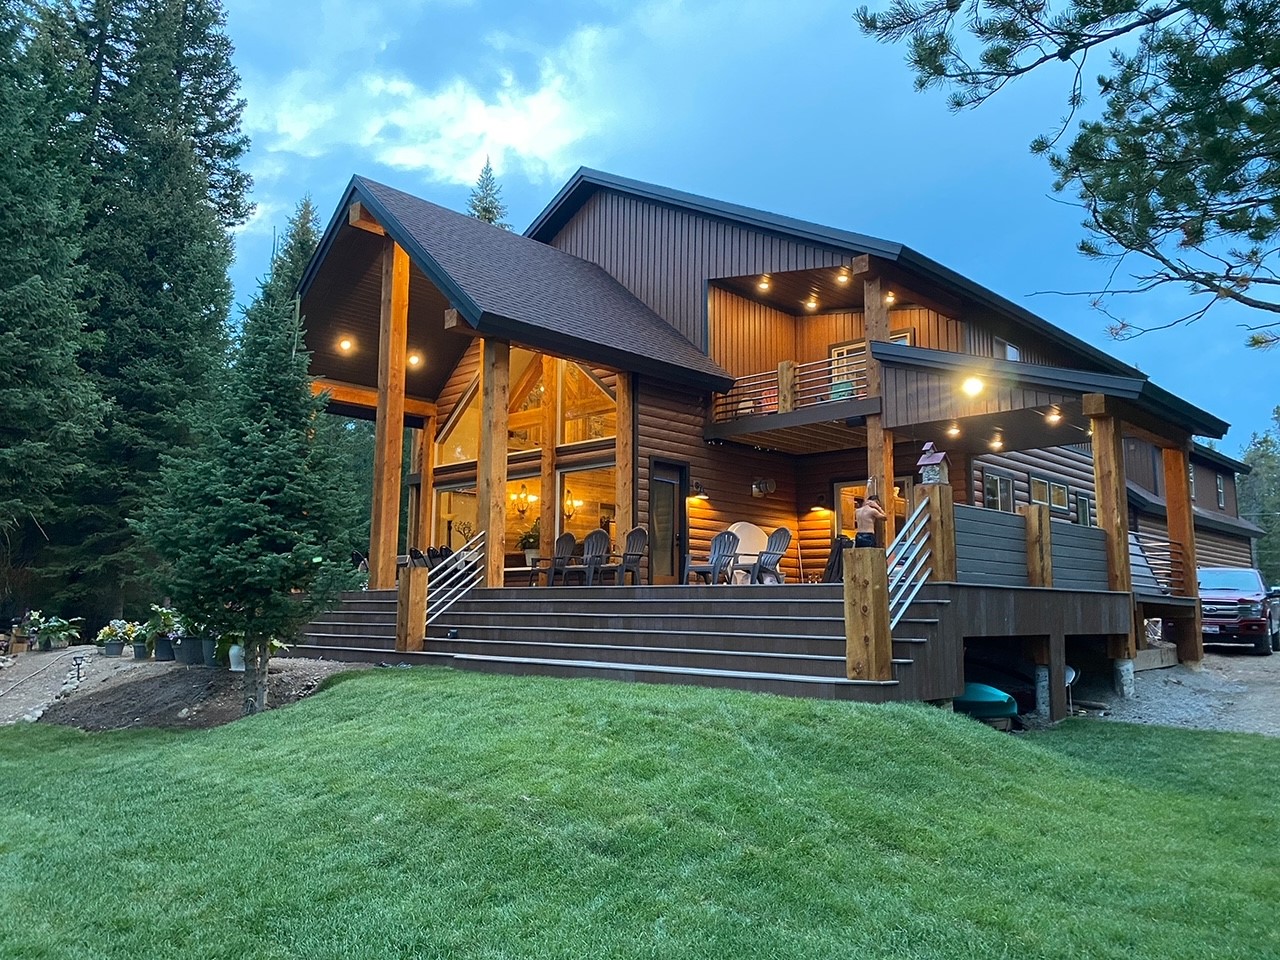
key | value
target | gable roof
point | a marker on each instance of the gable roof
(508, 285)
(587, 182)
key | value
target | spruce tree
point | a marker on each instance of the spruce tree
(47, 406)
(162, 144)
(250, 524)
(485, 202)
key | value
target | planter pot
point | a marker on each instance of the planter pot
(189, 651)
(113, 648)
(164, 649)
(46, 645)
(531, 557)
(140, 650)
(209, 650)
(236, 653)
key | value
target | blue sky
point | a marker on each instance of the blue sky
(783, 106)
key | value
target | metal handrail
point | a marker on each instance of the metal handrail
(453, 579)
(1166, 559)
(812, 383)
(907, 559)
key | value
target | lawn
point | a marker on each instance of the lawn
(428, 813)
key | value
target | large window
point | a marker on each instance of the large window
(458, 520)
(849, 495)
(587, 409)
(587, 501)
(460, 439)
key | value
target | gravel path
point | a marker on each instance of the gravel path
(1234, 690)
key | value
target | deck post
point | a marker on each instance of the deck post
(1113, 508)
(941, 514)
(422, 497)
(491, 478)
(875, 322)
(625, 459)
(1177, 498)
(547, 506)
(1039, 544)
(868, 644)
(411, 609)
(786, 386)
(388, 451)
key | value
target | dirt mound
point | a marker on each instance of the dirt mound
(113, 694)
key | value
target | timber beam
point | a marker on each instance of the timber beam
(388, 448)
(362, 219)
(354, 395)
(1136, 423)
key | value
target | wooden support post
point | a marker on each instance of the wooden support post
(411, 609)
(625, 458)
(413, 515)
(425, 464)
(1113, 505)
(388, 451)
(1182, 531)
(880, 474)
(868, 645)
(495, 392)
(786, 386)
(1036, 516)
(942, 529)
(548, 506)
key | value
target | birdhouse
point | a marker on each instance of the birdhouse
(933, 465)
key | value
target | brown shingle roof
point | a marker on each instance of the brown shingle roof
(508, 285)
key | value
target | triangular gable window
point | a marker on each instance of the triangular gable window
(588, 410)
(460, 440)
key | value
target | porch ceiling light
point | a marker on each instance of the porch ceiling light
(997, 442)
(763, 284)
(972, 386)
(1053, 417)
(346, 344)
(415, 360)
(811, 303)
(890, 298)
(842, 277)
(953, 430)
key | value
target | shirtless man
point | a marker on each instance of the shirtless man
(866, 516)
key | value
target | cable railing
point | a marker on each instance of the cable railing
(793, 386)
(906, 560)
(450, 581)
(1165, 558)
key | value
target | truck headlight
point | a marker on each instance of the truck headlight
(1253, 610)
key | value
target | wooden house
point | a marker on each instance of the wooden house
(642, 356)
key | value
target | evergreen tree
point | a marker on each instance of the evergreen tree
(485, 202)
(161, 142)
(47, 406)
(1181, 166)
(1259, 495)
(250, 523)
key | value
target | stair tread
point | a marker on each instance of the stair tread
(465, 625)
(660, 668)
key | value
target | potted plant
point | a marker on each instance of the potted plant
(52, 633)
(113, 637)
(163, 630)
(529, 542)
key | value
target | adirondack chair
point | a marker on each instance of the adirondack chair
(566, 543)
(724, 550)
(628, 560)
(595, 550)
(764, 569)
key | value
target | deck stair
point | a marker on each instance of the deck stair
(779, 639)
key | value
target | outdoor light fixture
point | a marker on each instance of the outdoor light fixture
(953, 430)
(523, 499)
(820, 504)
(415, 359)
(699, 491)
(890, 298)
(763, 284)
(570, 506)
(972, 386)
(346, 345)
(842, 278)
(1053, 417)
(811, 303)
(997, 443)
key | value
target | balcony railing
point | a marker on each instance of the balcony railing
(793, 386)
(1163, 558)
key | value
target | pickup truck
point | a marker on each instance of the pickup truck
(1237, 607)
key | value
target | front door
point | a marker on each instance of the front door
(668, 487)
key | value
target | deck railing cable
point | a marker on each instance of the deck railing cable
(819, 381)
(450, 581)
(1166, 560)
(906, 560)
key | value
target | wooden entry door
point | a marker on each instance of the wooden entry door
(668, 523)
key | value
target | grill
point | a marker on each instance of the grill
(1221, 610)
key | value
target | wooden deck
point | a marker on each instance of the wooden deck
(787, 640)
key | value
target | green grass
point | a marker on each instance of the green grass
(429, 813)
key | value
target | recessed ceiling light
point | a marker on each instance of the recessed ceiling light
(890, 298)
(346, 345)
(972, 386)
(842, 278)
(996, 443)
(953, 430)
(1053, 417)
(811, 303)
(763, 284)
(415, 359)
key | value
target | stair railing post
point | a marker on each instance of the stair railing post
(411, 609)
(868, 644)
(942, 528)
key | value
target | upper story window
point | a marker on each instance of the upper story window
(1004, 350)
(1222, 490)
(1191, 478)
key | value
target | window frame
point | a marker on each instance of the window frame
(1042, 481)
(1084, 517)
(1221, 483)
(1002, 480)
(1056, 487)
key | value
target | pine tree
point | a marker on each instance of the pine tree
(161, 143)
(485, 202)
(47, 407)
(1259, 495)
(250, 524)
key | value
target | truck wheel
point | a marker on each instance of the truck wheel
(1275, 641)
(1263, 645)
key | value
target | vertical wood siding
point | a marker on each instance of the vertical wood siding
(664, 256)
(748, 337)
(913, 396)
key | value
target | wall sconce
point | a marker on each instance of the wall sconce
(820, 504)
(570, 505)
(699, 491)
(523, 499)
(763, 486)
